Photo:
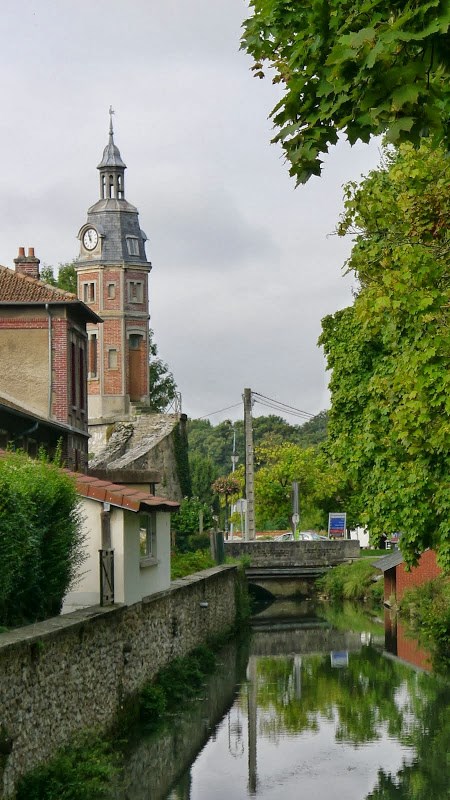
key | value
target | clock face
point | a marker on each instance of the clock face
(90, 238)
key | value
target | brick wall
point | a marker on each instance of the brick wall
(426, 570)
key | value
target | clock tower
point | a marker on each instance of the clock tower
(112, 273)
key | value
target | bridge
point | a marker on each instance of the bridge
(286, 568)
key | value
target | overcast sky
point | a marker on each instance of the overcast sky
(244, 265)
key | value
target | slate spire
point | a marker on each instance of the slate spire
(112, 168)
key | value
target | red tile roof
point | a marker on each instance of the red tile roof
(22, 289)
(120, 496)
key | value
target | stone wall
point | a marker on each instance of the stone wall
(294, 554)
(73, 673)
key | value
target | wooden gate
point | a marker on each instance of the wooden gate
(106, 577)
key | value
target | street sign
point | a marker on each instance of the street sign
(295, 519)
(337, 524)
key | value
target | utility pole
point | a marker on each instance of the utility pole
(249, 467)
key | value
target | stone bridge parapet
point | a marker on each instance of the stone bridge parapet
(273, 554)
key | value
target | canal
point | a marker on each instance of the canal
(310, 706)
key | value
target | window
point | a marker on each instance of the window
(112, 359)
(135, 340)
(111, 291)
(135, 291)
(93, 358)
(89, 292)
(147, 536)
(73, 374)
(82, 377)
(133, 245)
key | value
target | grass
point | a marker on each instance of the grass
(183, 564)
(359, 581)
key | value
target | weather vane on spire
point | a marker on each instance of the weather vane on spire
(111, 112)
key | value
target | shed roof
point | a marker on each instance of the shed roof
(120, 496)
(388, 562)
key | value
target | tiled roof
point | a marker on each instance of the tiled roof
(21, 289)
(18, 288)
(120, 496)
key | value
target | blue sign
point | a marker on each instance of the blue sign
(337, 524)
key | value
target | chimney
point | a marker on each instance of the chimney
(27, 265)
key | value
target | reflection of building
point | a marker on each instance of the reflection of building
(398, 644)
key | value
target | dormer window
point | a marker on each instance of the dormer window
(133, 245)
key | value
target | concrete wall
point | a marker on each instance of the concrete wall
(74, 672)
(294, 554)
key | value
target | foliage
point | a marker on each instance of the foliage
(215, 442)
(357, 66)
(186, 521)
(183, 564)
(426, 611)
(180, 443)
(356, 581)
(181, 680)
(82, 771)
(389, 424)
(41, 545)
(66, 278)
(203, 474)
(318, 484)
(163, 388)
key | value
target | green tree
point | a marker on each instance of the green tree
(203, 474)
(359, 66)
(66, 278)
(41, 544)
(278, 468)
(163, 388)
(389, 425)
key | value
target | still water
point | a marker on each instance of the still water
(311, 707)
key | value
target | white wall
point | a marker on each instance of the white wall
(133, 578)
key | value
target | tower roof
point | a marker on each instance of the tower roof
(111, 154)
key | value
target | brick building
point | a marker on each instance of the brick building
(43, 352)
(396, 578)
(112, 271)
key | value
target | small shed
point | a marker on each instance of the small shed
(127, 540)
(397, 579)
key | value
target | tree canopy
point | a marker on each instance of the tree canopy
(215, 442)
(362, 67)
(65, 279)
(389, 422)
(163, 388)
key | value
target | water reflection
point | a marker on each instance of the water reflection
(308, 710)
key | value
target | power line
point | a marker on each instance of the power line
(289, 409)
(220, 411)
(283, 411)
